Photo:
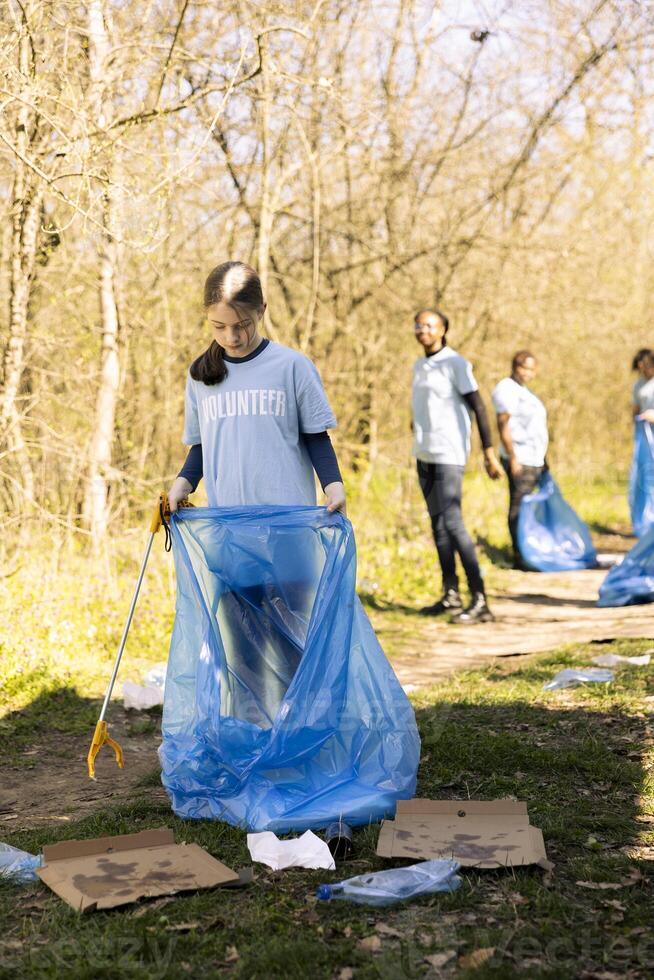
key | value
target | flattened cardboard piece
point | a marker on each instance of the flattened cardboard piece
(111, 871)
(476, 833)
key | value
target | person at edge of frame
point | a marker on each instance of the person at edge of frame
(444, 395)
(643, 389)
(522, 425)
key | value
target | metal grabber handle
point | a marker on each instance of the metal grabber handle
(101, 735)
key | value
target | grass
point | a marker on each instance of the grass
(580, 758)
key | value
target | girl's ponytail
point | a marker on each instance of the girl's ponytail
(210, 368)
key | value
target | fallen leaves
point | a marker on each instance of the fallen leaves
(439, 960)
(477, 958)
(517, 899)
(150, 907)
(634, 877)
(371, 944)
(385, 930)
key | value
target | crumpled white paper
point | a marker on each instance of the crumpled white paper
(307, 851)
(142, 698)
(613, 659)
(570, 677)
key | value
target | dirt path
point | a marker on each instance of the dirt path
(534, 613)
(51, 785)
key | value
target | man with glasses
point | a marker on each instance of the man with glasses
(445, 394)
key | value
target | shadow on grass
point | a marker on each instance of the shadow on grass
(581, 771)
(540, 599)
(371, 600)
(616, 532)
(60, 712)
(500, 556)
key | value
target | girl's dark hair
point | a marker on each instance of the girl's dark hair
(441, 316)
(238, 285)
(520, 357)
(638, 357)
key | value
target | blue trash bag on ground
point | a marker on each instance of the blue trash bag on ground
(551, 536)
(632, 581)
(641, 479)
(281, 711)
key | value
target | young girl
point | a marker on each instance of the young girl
(256, 413)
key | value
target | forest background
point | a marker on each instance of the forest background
(368, 159)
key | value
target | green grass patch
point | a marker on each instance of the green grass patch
(580, 758)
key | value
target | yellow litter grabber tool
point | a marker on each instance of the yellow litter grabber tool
(101, 735)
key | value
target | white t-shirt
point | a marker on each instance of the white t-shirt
(250, 424)
(441, 418)
(527, 421)
(643, 393)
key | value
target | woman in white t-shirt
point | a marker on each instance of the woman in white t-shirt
(522, 424)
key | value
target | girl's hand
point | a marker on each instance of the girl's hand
(178, 492)
(335, 497)
(647, 415)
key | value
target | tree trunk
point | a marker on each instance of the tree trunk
(25, 215)
(96, 498)
(96, 508)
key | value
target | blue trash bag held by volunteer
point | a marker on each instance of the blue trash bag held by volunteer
(551, 536)
(281, 710)
(632, 581)
(641, 480)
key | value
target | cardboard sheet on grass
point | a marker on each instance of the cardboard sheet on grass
(111, 871)
(476, 833)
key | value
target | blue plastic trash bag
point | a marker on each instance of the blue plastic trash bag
(281, 711)
(17, 865)
(632, 581)
(551, 536)
(641, 479)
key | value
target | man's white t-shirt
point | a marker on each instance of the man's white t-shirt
(441, 418)
(643, 394)
(250, 426)
(527, 421)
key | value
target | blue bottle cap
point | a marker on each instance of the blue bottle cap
(324, 892)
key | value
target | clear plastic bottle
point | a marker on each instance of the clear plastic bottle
(386, 887)
(18, 865)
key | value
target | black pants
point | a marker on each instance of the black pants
(441, 485)
(519, 487)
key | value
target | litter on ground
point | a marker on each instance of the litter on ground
(571, 677)
(395, 885)
(475, 833)
(150, 694)
(614, 659)
(110, 871)
(307, 851)
(17, 865)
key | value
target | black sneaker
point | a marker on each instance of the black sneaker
(450, 603)
(476, 612)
